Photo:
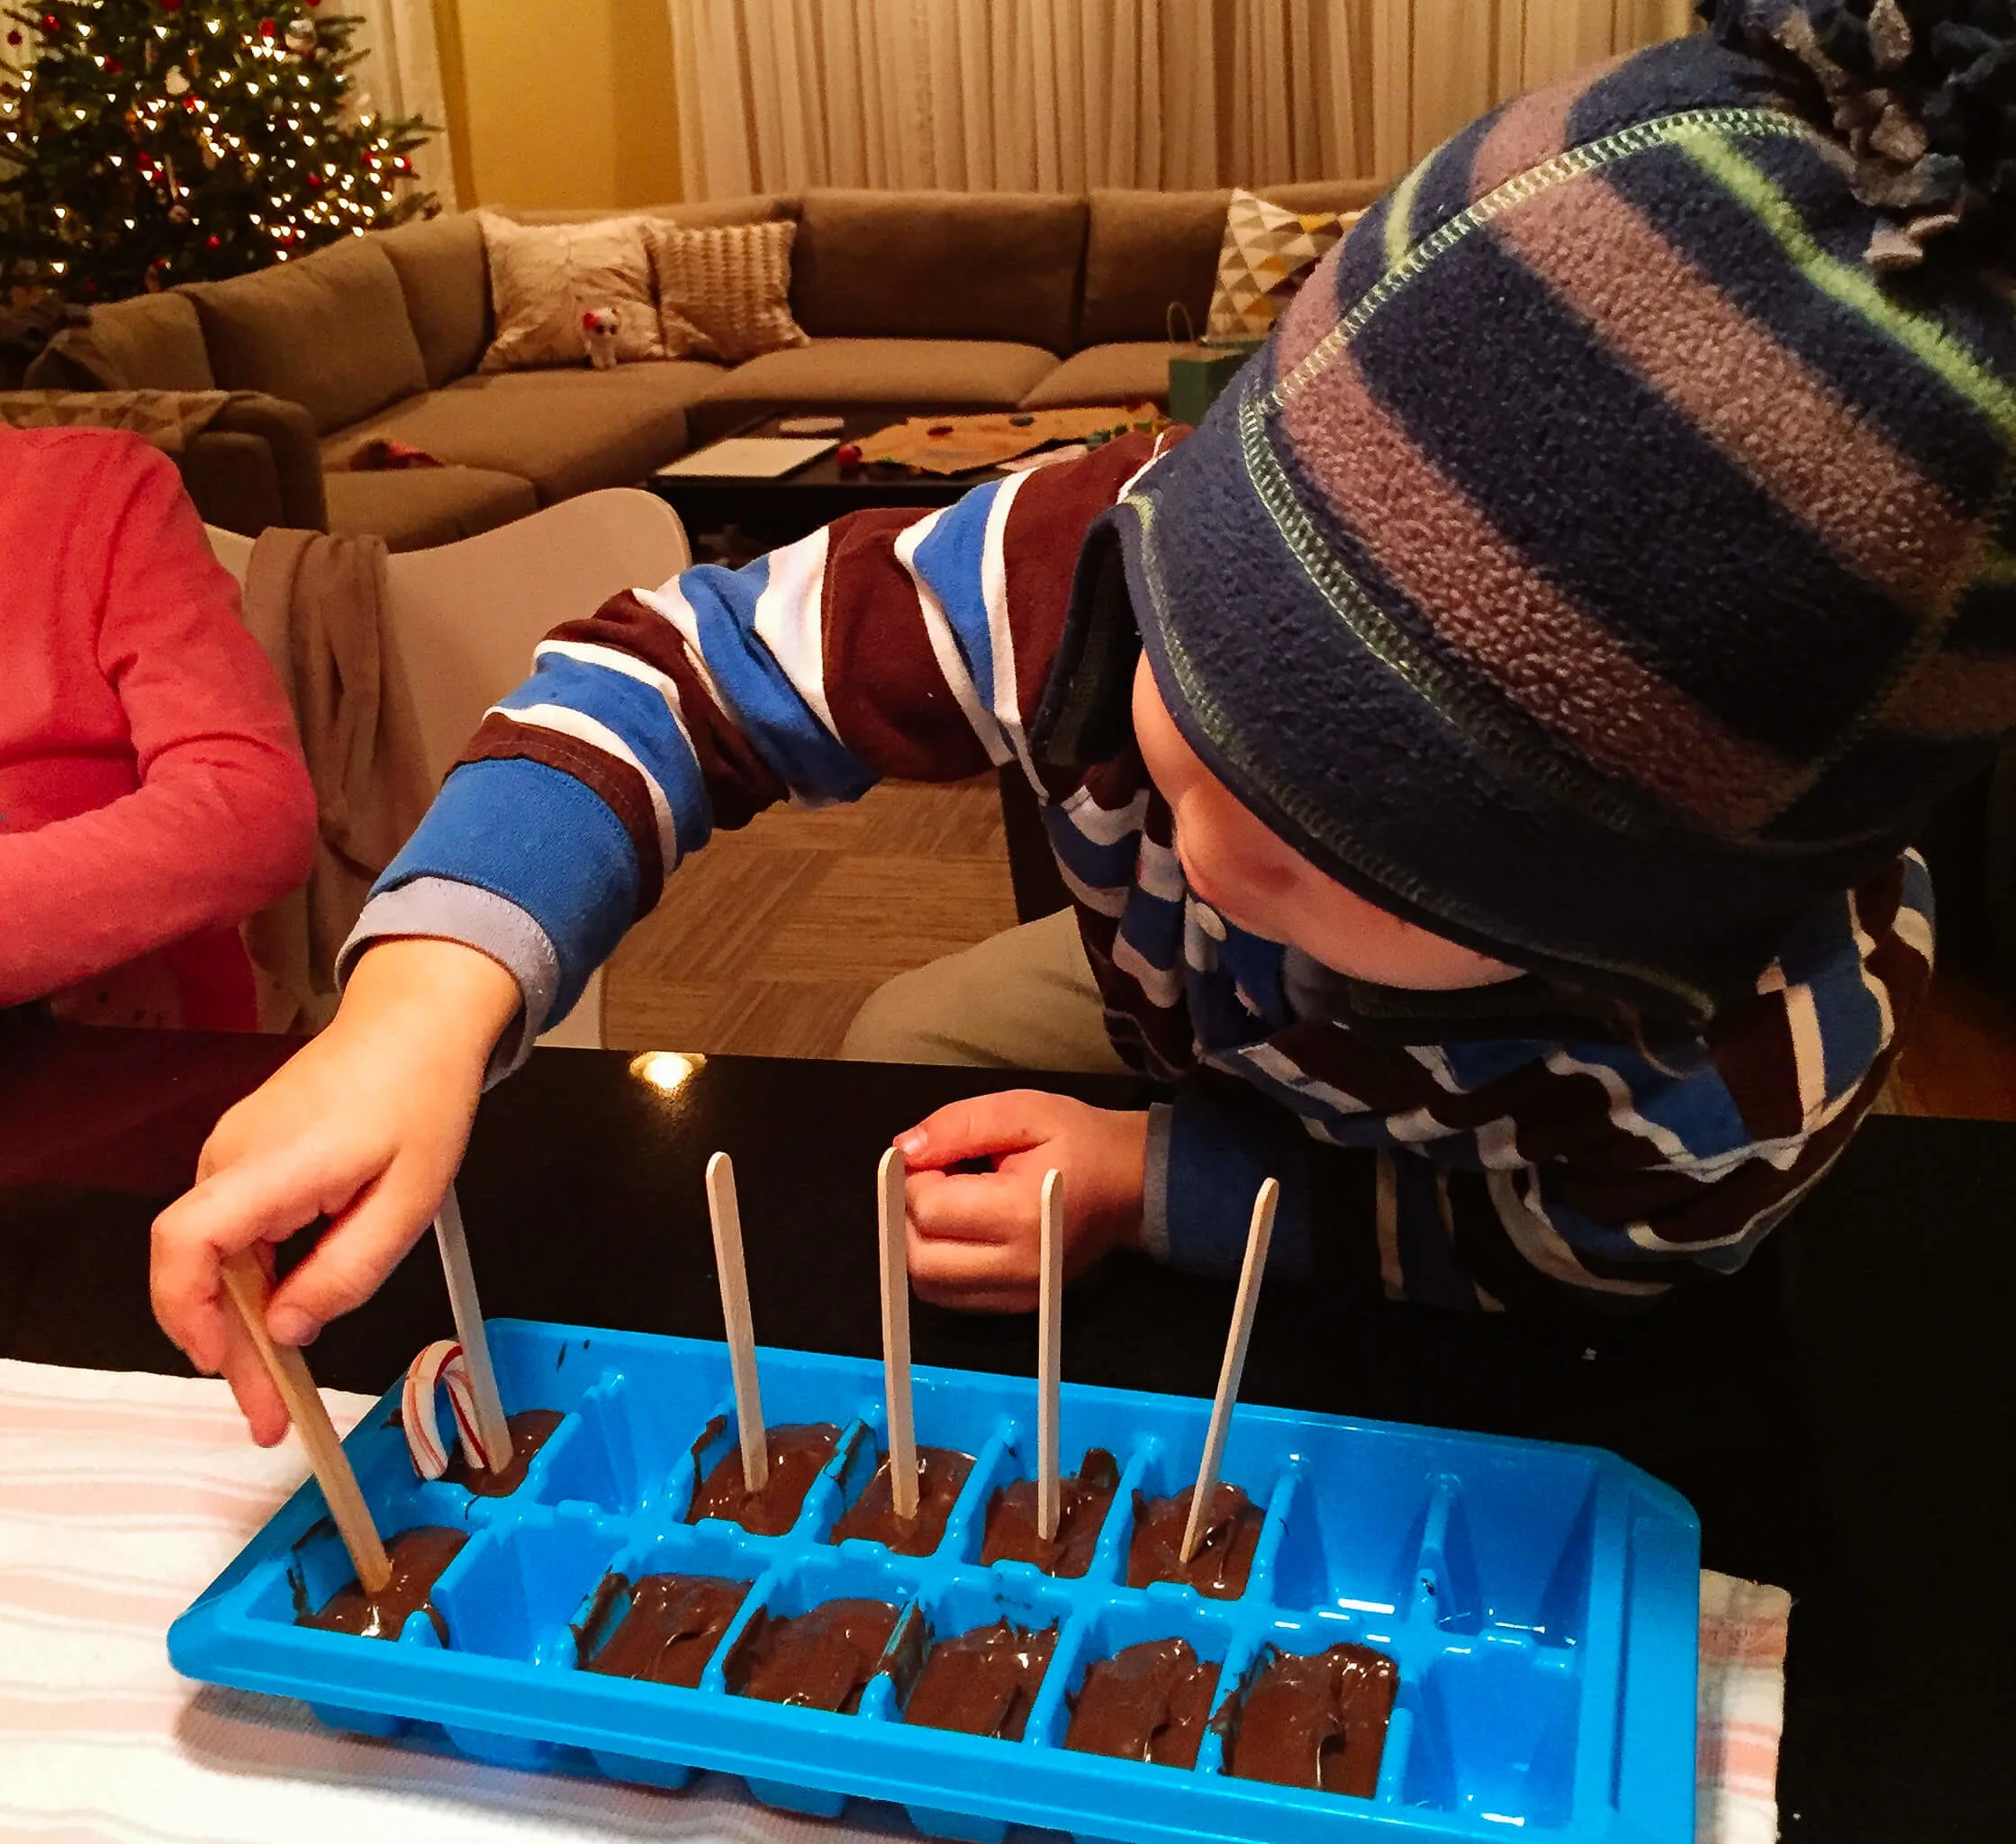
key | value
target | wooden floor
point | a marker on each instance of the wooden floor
(768, 941)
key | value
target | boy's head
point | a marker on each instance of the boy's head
(1612, 551)
(1259, 882)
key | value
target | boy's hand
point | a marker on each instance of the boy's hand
(365, 1126)
(973, 1237)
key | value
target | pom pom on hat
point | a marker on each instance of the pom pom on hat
(1922, 96)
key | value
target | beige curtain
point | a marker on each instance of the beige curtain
(1326, 89)
(1058, 95)
(401, 76)
(1049, 95)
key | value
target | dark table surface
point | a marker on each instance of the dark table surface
(789, 507)
(1840, 1415)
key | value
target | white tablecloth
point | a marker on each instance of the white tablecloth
(122, 1494)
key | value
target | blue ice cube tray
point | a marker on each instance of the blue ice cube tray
(1540, 1601)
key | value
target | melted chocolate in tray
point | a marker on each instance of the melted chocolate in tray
(1146, 1703)
(1317, 1723)
(418, 1557)
(983, 1682)
(820, 1660)
(797, 1458)
(1082, 1506)
(530, 1429)
(665, 1626)
(1224, 1556)
(941, 1473)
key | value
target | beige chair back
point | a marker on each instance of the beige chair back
(465, 617)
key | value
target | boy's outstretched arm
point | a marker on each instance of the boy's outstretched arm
(889, 643)
(363, 1127)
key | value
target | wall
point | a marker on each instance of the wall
(557, 103)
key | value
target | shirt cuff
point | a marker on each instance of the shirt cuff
(442, 908)
(1207, 1158)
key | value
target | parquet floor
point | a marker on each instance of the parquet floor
(768, 941)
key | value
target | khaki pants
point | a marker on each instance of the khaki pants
(1023, 999)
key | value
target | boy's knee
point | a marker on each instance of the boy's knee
(902, 1021)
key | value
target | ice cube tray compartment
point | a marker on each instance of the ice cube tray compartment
(1538, 1602)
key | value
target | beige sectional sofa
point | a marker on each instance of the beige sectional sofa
(918, 300)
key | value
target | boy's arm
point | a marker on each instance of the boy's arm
(891, 643)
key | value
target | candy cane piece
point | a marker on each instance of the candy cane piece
(442, 1362)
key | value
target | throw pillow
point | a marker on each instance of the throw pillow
(724, 290)
(1266, 256)
(166, 418)
(545, 277)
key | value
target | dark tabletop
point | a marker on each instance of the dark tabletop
(1840, 1415)
(793, 504)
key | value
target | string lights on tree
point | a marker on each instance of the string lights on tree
(146, 142)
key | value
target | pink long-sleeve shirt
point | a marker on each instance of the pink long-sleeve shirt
(152, 793)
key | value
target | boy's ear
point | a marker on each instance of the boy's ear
(1086, 713)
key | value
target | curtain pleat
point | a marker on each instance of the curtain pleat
(1060, 95)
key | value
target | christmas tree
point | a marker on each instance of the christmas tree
(146, 142)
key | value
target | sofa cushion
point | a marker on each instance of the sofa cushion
(153, 342)
(938, 266)
(545, 278)
(918, 373)
(1145, 249)
(419, 507)
(1268, 252)
(724, 290)
(328, 331)
(565, 431)
(1133, 372)
(442, 272)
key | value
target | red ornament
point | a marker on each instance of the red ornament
(13, 38)
(114, 67)
(51, 23)
(171, 5)
(214, 241)
(315, 180)
(267, 28)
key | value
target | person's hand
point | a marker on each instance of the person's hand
(365, 1127)
(974, 1237)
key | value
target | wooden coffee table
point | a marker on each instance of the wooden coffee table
(770, 512)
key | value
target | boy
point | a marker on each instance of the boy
(1491, 743)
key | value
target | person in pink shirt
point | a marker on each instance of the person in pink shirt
(153, 793)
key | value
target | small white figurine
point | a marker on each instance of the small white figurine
(598, 328)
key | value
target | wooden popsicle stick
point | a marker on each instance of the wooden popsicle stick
(244, 1281)
(1050, 1320)
(896, 1334)
(741, 1329)
(1258, 1236)
(492, 1430)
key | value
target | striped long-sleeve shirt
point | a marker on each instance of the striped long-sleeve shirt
(1507, 1167)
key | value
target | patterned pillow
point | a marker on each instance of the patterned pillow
(1267, 255)
(724, 290)
(166, 418)
(543, 277)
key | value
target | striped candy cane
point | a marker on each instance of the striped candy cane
(441, 1362)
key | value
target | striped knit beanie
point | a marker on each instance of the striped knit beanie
(1611, 552)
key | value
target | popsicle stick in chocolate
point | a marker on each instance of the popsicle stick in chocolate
(1050, 1319)
(741, 1329)
(493, 1433)
(896, 1335)
(244, 1281)
(1258, 1236)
